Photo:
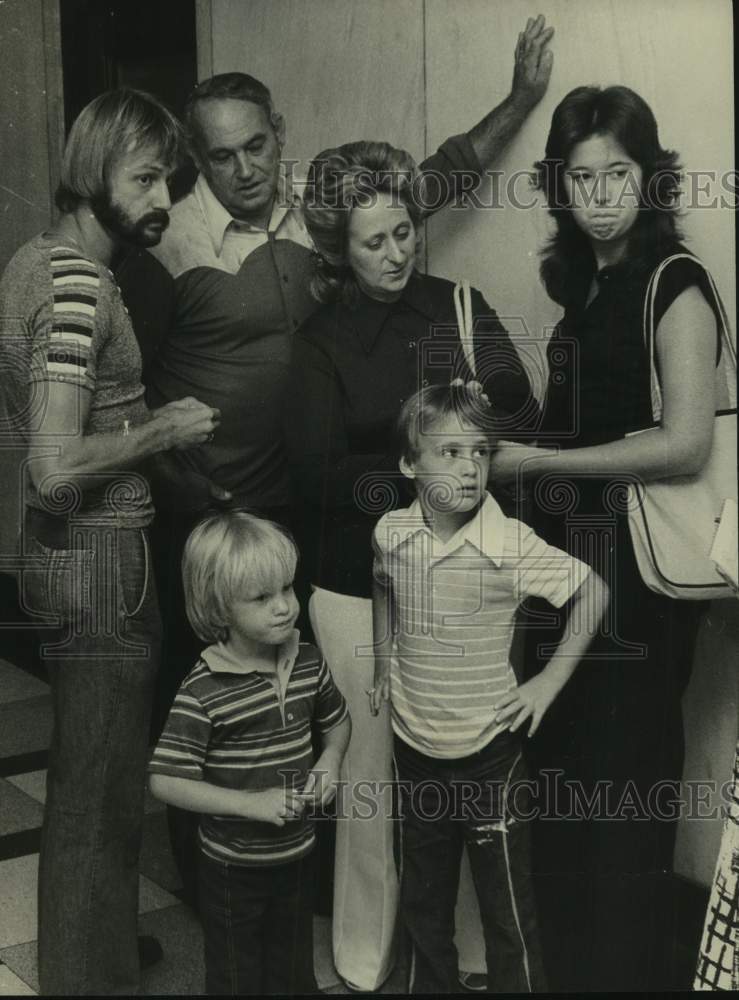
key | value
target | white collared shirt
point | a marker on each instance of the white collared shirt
(202, 233)
(455, 604)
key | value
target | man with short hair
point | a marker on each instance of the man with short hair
(240, 260)
(73, 394)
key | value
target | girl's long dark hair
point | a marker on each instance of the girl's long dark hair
(620, 112)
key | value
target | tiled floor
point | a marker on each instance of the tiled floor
(25, 723)
(25, 720)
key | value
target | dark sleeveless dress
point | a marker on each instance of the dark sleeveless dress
(615, 733)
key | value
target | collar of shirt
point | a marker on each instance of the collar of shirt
(486, 531)
(221, 660)
(218, 219)
(369, 315)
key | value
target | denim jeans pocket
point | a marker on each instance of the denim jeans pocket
(56, 585)
(132, 571)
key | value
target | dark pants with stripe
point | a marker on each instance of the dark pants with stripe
(258, 928)
(478, 801)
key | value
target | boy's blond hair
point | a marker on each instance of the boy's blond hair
(226, 555)
(435, 403)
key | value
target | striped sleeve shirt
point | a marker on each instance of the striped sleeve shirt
(455, 605)
(238, 727)
(67, 354)
(62, 320)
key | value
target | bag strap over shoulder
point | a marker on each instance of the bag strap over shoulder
(463, 309)
(729, 351)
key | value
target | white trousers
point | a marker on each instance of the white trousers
(366, 880)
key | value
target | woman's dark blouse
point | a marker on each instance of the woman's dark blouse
(352, 369)
(599, 382)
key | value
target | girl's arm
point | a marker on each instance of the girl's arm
(532, 699)
(686, 358)
(272, 805)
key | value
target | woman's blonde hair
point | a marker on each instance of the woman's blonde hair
(339, 179)
(113, 124)
(226, 555)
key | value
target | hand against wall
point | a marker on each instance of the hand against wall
(533, 62)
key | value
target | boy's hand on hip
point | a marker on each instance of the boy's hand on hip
(274, 805)
(530, 700)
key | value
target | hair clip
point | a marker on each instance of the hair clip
(473, 387)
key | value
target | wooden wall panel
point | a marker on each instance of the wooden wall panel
(30, 118)
(338, 70)
(31, 137)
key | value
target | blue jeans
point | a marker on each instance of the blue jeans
(257, 927)
(444, 804)
(100, 643)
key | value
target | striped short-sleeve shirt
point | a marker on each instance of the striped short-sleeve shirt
(455, 605)
(62, 319)
(237, 727)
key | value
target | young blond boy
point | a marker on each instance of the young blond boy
(237, 749)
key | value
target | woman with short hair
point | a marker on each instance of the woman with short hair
(384, 331)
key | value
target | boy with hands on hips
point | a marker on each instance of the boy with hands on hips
(450, 572)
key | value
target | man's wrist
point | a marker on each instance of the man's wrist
(522, 101)
(158, 435)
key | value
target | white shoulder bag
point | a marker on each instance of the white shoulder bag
(463, 310)
(673, 521)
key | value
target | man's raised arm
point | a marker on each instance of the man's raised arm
(532, 69)
(457, 166)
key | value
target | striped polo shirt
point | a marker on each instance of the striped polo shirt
(455, 605)
(239, 726)
(62, 319)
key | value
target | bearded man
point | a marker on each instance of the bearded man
(73, 394)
